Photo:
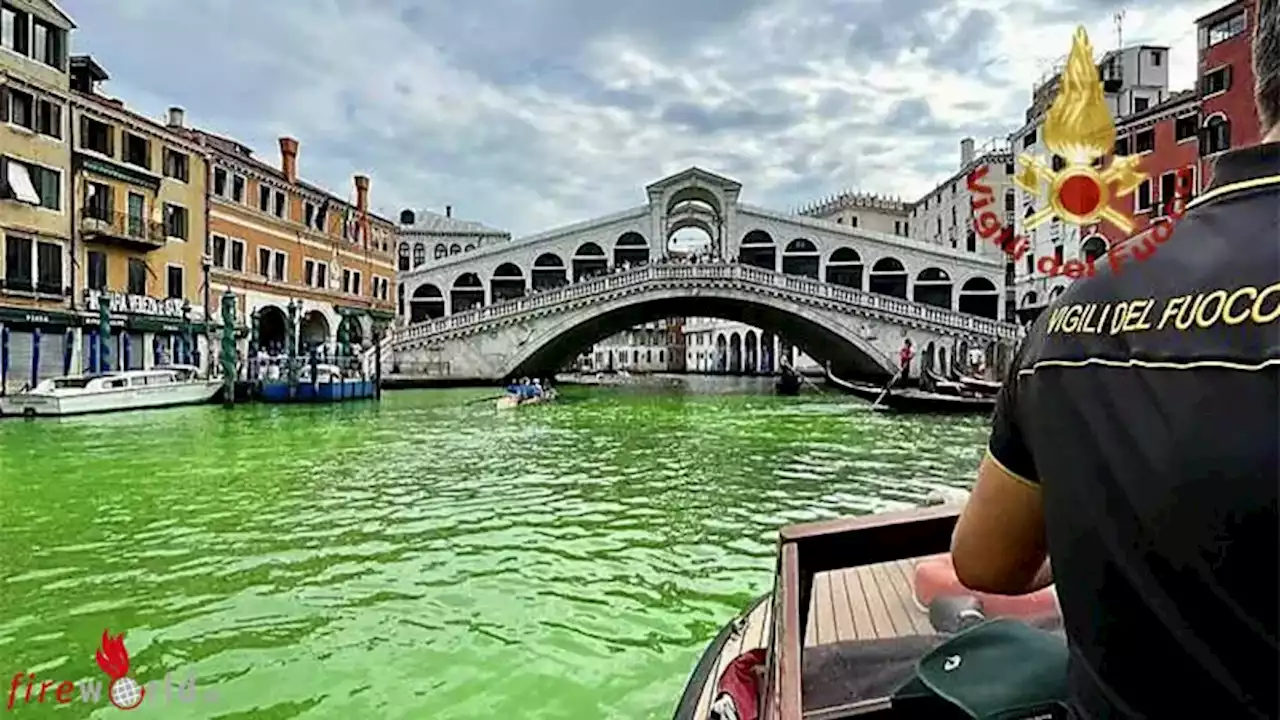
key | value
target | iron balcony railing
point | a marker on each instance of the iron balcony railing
(124, 227)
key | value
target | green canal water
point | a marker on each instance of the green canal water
(429, 557)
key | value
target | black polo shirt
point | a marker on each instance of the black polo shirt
(1145, 402)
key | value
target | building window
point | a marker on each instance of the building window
(1144, 141)
(1184, 128)
(1029, 139)
(96, 275)
(404, 256)
(175, 221)
(237, 188)
(853, 221)
(1058, 163)
(137, 151)
(1122, 145)
(1218, 81)
(322, 275)
(1157, 58)
(309, 214)
(48, 44)
(419, 254)
(1142, 198)
(137, 277)
(219, 182)
(1140, 104)
(309, 272)
(15, 30)
(35, 114)
(279, 267)
(971, 242)
(264, 198)
(218, 253)
(97, 136)
(177, 165)
(279, 204)
(1223, 30)
(98, 202)
(264, 262)
(1168, 190)
(33, 184)
(174, 282)
(49, 268)
(351, 282)
(237, 255)
(1217, 136)
(17, 262)
(315, 273)
(22, 109)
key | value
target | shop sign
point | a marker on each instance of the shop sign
(134, 304)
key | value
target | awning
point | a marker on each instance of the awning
(19, 180)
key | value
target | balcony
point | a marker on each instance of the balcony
(26, 286)
(123, 229)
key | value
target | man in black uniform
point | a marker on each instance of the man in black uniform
(1137, 444)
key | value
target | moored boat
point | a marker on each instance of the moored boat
(840, 636)
(910, 400)
(112, 392)
(330, 384)
(978, 385)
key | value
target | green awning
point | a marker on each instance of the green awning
(36, 317)
(130, 175)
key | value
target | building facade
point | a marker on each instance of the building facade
(424, 237)
(863, 210)
(1225, 64)
(38, 315)
(295, 254)
(138, 191)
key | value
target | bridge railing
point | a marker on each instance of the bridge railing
(704, 271)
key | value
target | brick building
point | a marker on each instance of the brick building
(1226, 80)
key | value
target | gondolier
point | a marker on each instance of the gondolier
(904, 358)
(1135, 444)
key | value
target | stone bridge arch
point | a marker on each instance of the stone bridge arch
(829, 337)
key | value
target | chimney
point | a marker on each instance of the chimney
(966, 152)
(448, 211)
(289, 158)
(362, 193)
(176, 117)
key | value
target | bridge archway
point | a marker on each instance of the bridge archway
(589, 261)
(549, 272)
(273, 326)
(507, 282)
(758, 250)
(697, 195)
(312, 331)
(632, 248)
(1093, 247)
(933, 287)
(467, 293)
(800, 257)
(427, 303)
(979, 296)
(767, 359)
(735, 354)
(888, 277)
(844, 267)
(419, 255)
(818, 334)
(750, 353)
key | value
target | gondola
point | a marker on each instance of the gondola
(911, 401)
(844, 633)
(978, 385)
(788, 383)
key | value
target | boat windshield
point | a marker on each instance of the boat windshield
(73, 382)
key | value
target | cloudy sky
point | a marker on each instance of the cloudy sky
(526, 114)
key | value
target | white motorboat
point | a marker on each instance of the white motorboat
(112, 391)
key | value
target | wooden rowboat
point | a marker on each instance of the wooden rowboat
(912, 401)
(842, 593)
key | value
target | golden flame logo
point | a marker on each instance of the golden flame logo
(1078, 128)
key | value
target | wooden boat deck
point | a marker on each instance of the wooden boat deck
(863, 603)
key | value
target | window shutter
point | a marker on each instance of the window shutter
(4, 104)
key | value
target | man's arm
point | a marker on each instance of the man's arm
(999, 542)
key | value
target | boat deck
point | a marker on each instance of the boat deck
(863, 603)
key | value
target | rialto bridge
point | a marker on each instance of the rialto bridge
(843, 295)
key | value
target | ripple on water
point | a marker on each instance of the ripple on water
(430, 557)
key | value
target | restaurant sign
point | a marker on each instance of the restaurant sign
(134, 304)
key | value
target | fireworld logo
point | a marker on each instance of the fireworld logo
(123, 691)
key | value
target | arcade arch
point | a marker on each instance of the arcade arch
(273, 333)
(467, 293)
(933, 287)
(800, 257)
(589, 261)
(507, 282)
(758, 250)
(979, 296)
(548, 272)
(419, 254)
(844, 267)
(1093, 247)
(313, 331)
(630, 249)
(404, 257)
(888, 277)
(427, 303)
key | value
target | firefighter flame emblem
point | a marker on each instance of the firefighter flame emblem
(1079, 129)
(125, 692)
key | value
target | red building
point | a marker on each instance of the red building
(1230, 116)
(1165, 136)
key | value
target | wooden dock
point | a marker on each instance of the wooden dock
(863, 603)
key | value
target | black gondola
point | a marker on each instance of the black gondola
(916, 401)
(978, 385)
(788, 382)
